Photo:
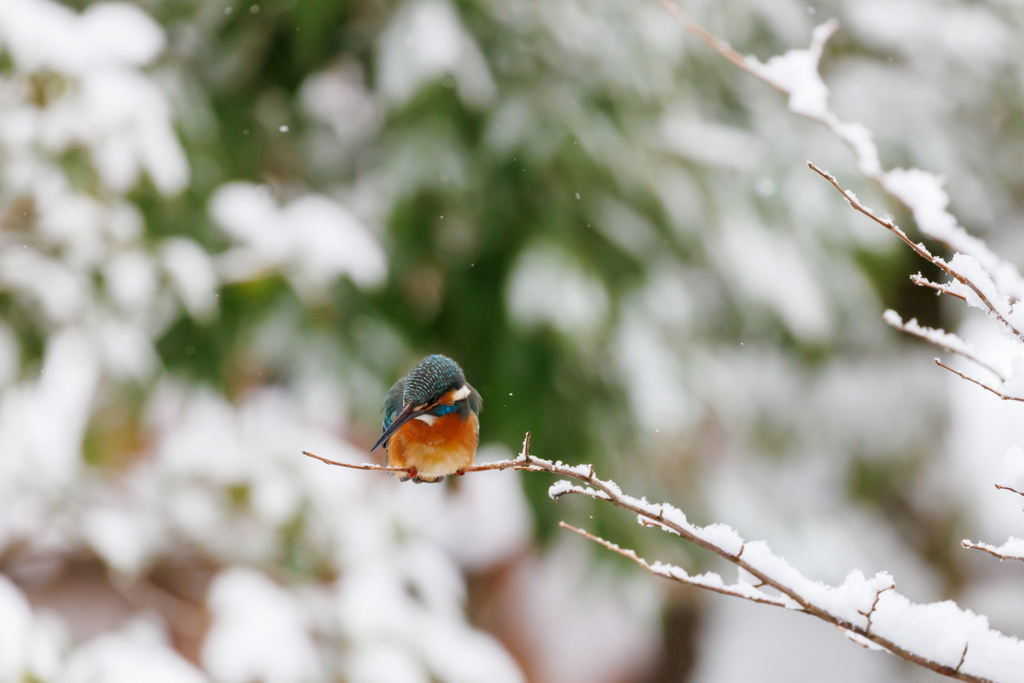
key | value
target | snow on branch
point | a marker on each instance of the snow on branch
(938, 636)
(941, 338)
(1013, 549)
(1001, 395)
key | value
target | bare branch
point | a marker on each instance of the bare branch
(980, 384)
(365, 466)
(1007, 488)
(714, 42)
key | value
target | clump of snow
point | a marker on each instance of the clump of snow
(125, 539)
(923, 193)
(561, 488)
(313, 239)
(1012, 549)
(426, 41)
(138, 652)
(935, 336)
(548, 286)
(1014, 384)
(1013, 468)
(16, 633)
(973, 271)
(770, 269)
(192, 274)
(796, 73)
(723, 536)
(485, 521)
(258, 632)
(44, 35)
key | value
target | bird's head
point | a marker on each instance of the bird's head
(431, 379)
(436, 386)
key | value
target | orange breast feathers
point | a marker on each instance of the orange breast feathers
(445, 447)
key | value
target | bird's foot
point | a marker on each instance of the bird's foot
(410, 473)
(459, 472)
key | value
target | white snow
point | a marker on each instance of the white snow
(192, 274)
(796, 73)
(1012, 549)
(138, 652)
(549, 286)
(1013, 468)
(258, 632)
(424, 42)
(312, 239)
(935, 336)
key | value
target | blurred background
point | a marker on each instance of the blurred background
(228, 228)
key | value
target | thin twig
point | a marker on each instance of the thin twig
(990, 549)
(711, 40)
(963, 656)
(921, 333)
(609, 491)
(1007, 488)
(980, 384)
(874, 605)
(486, 467)
(922, 281)
(365, 466)
(665, 572)
(919, 249)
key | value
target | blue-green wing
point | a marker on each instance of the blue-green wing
(393, 404)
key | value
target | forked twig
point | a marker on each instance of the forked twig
(919, 249)
(980, 384)
(922, 281)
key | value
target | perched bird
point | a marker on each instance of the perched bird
(430, 421)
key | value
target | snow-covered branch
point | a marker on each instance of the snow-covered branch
(939, 636)
(1013, 549)
(944, 340)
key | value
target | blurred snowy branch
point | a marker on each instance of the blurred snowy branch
(796, 74)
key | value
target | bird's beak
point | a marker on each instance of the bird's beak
(408, 413)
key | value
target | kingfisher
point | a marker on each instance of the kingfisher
(431, 423)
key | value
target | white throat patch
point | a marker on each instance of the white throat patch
(429, 419)
(461, 393)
